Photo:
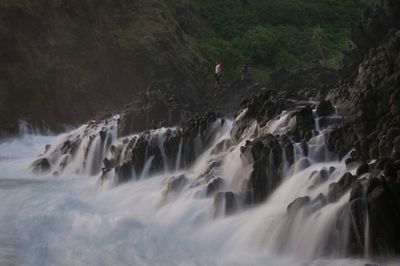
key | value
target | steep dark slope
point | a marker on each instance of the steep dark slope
(369, 93)
(64, 61)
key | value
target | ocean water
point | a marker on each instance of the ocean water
(74, 220)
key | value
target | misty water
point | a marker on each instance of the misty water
(74, 219)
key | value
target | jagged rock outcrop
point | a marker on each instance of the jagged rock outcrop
(92, 149)
(368, 97)
(266, 154)
(179, 144)
(374, 207)
(369, 93)
(260, 109)
(309, 83)
(158, 107)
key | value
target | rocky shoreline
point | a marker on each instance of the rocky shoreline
(359, 119)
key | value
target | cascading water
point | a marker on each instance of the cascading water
(190, 212)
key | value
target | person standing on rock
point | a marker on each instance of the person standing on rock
(218, 74)
(246, 75)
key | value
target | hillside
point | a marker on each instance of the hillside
(272, 34)
(63, 62)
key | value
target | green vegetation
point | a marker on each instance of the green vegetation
(271, 34)
(268, 34)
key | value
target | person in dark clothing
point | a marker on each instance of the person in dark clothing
(246, 75)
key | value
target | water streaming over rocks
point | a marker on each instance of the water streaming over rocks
(288, 181)
(214, 192)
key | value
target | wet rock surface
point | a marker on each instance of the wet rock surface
(369, 96)
(266, 155)
(275, 131)
(41, 166)
(225, 203)
(159, 106)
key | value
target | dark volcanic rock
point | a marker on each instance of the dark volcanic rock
(337, 190)
(266, 155)
(358, 212)
(294, 207)
(123, 172)
(304, 123)
(362, 169)
(214, 185)
(390, 171)
(371, 102)
(385, 220)
(325, 108)
(41, 165)
(175, 184)
(225, 203)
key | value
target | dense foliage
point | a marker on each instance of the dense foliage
(270, 34)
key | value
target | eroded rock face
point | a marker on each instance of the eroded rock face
(294, 207)
(287, 92)
(172, 149)
(304, 123)
(374, 201)
(371, 99)
(384, 217)
(176, 183)
(266, 154)
(337, 190)
(123, 172)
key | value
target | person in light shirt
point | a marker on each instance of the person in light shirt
(218, 74)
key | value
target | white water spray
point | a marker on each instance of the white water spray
(71, 220)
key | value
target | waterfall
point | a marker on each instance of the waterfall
(189, 196)
(367, 241)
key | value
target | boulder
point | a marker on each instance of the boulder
(41, 165)
(304, 123)
(295, 206)
(176, 183)
(390, 171)
(214, 185)
(302, 164)
(362, 169)
(337, 190)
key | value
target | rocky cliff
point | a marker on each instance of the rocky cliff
(369, 96)
(369, 92)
